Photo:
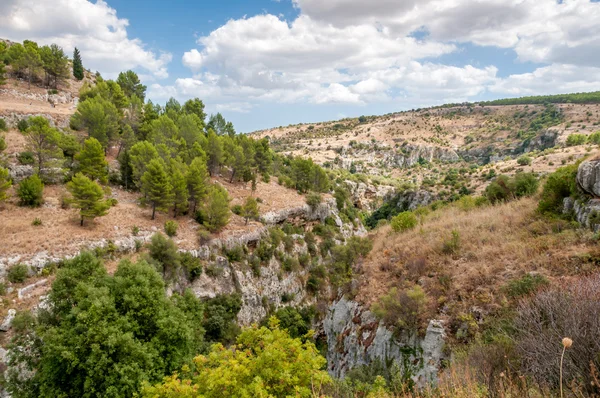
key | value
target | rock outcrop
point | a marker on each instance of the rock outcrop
(355, 337)
(588, 177)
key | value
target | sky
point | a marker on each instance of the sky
(267, 63)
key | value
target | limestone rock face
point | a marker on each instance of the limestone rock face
(20, 172)
(587, 213)
(355, 338)
(7, 323)
(368, 196)
(588, 177)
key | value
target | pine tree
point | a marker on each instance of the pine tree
(130, 83)
(214, 151)
(197, 176)
(140, 156)
(92, 162)
(2, 74)
(250, 209)
(216, 210)
(77, 65)
(87, 197)
(5, 183)
(179, 187)
(156, 186)
(43, 142)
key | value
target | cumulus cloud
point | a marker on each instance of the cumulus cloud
(94, 28)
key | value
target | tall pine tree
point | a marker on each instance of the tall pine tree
(197, 177)
(179, 186)
(87, 197)
(156, 186)
(92, 162)
(77, 65)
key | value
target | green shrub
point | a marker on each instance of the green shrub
(36, 222)
(404, 221)
(560, 185)
(236, 209)
(576, 139)
(524, 160)
(235, 254)
(594, 138)
(466, 203)
(25, 158)
(191, 265)
(504, 188)
(3, 126)
(313, 200)
(525, 285)
(17, 273)
(23, 125)
(30, 191)
(135, 230)
(2, 288)
(171, 228)
(525, 184)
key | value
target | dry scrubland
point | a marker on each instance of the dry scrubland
(494, 245)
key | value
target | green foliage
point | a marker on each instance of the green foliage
(402, 309)
(576, 98)
(105, 335)
(576, 139)
(215, 212)
(92, 162)
(5, 183)
(130, 84)
(525, 285)
(191, 265)
(313, 200)
(87, 197)
(3, 126)
(140, 155)
(171, 228)
(594, 138)
(179, 188)
(36, 222)
(404, 221)
(250, 209)
(17, 273)
(99, 117)
(524, 160)
(297, 322)
(43, 142)
(219, 322)
(197, 177)
(265, 362)
(505, 188)
(164, 252)
(77, 65)
(156, 186)
(560, 185)
(30, 191)
(23, 125)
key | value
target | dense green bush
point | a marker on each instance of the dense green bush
(23, 125)
(17, 273)
(525, 285)
(576, 139)
(504, 188)
(594, 138)
(191, 265)
(30, 191)
(524, 160)
(313, 200)
(560, 185)
(404, 221)
(3, 126)
(171, 228)
(219, 322)
(403, 309)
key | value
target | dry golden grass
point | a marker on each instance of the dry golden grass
(497, 244)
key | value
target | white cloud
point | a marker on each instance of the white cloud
(94, 28)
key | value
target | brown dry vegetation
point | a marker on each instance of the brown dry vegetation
(496, 244)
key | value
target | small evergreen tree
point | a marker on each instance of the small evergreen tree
(87, 197)
(77, 65)
(131, 85)
(179, 187)
(43, 142)
(216, 210)
(140, 156)
(92, 162)
(250, 209)
(5, 183)
(214, 152)
(197, 176)
(156, 186)
(30, 191)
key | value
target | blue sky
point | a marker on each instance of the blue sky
(265, 63)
